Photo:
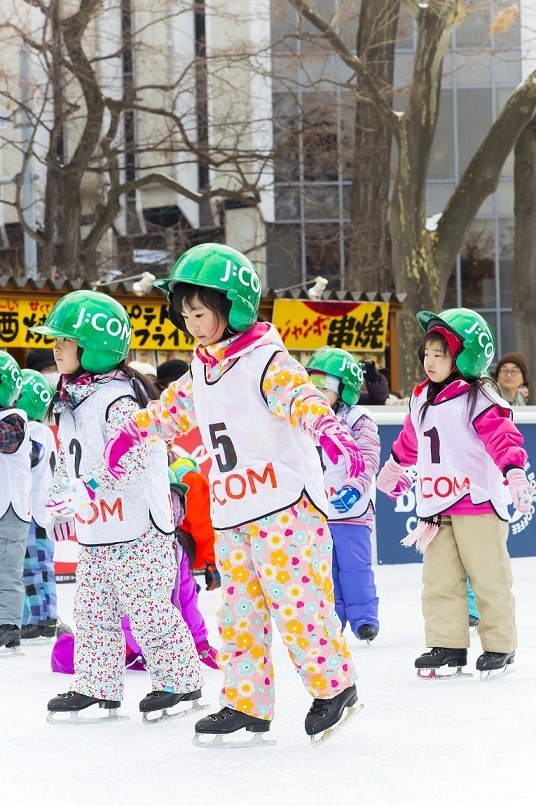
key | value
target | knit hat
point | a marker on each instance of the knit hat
(171, 370)
(514, 358)
(39, 359)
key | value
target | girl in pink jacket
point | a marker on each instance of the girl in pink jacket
(461, 436)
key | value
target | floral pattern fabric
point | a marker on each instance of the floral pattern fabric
(279, 567)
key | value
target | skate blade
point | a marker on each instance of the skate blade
(495, 674)
(11, 652)
(217, 741)
(164, 714)
(432, 674)
(74, 719)
(350, 713)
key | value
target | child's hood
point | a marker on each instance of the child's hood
(261, 334)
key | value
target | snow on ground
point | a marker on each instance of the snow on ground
(415, 741)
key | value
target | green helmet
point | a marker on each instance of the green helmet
(36, 394)
(10, 379)
(215, 265)
(339, 364)
(478, 341)
(99, 323)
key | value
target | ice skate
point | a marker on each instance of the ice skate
(163, 700)
(228, 721)
(71, 703)
(327, 717)
(10, 637)
(493, 665)
(45, 629)
(438, 657)
(367, 632)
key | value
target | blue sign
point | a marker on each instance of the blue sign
(395, 519)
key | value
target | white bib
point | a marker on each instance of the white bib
(16, 475)
(452, 460)
(122, 516)
(261, 464)
(42, 471)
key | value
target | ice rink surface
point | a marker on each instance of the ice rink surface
(415, 742)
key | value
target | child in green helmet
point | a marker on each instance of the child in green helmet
(351, 508)
(125, 528)
(460, 434)
(259, 416)
(15, 512)
(39, 614)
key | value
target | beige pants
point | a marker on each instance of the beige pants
(475, 544)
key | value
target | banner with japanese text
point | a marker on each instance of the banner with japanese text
(151, 329)
(353, 326)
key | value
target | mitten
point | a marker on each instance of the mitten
(344, 499)
(370, 373)
(75, 498)
(120, 443)
(392, 479)
(336, 441)
(212, 577)
(521, 490)
(60, 528)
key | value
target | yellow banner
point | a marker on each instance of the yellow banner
(352, 326)
(151, 329)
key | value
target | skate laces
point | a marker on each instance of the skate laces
(319, 707)
(223, 714)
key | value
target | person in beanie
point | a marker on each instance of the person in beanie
(512, 373)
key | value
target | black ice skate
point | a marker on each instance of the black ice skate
(228, 721)
(45, 629)
(10, 639)
(492, 665)
(162, 700)
(367, 632)
(438, 657)
(326, 717)
(71, 703)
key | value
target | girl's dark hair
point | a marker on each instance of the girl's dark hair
(186, 293)
(480, 385)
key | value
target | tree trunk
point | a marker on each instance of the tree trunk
(369, 256)
(524, 291)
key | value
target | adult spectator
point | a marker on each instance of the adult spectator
(511, 373)
(375, 389)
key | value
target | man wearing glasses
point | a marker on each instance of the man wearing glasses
(512, 375)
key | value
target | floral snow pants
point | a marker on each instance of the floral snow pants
(280, 567)
(135, 579)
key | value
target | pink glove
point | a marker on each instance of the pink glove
(392, 479)
(336, 441)
(75, 497)
(521, 490)
(122, 441)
